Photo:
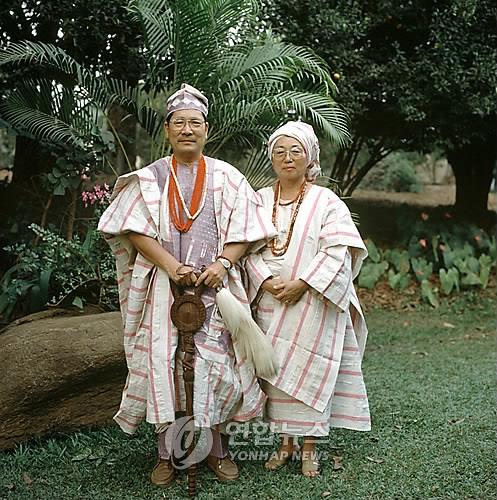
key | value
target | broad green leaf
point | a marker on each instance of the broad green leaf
(473, 264)
(44, 285)
(422, 269)
(393, 279)
(428, 293)
(448, 256)
(371, 273)
(59, 190)
(373, 252)
(449, 280)
(78, 302)
(470, 279)
(486, 263)
(461, 264)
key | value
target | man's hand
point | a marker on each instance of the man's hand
(212, 276)
(152, 250)
(290, 292)
(184, 276)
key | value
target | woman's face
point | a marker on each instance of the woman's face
(289, 159)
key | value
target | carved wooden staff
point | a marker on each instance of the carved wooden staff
(188, 315)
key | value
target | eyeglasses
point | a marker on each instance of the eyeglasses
(295, 153)
(179, 124)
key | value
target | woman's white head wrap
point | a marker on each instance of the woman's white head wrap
(304, 133)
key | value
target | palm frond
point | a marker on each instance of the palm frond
(249, 119)
(258, 169)
(158, 20)
(39, 124)
(249, 64)
(50, 112)
(321, 111)
(230, 18)
(251, 79)
(103, 92)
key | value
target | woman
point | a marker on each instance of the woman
(304, 300)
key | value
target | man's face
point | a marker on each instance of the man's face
(187, 132)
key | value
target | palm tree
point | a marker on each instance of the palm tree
(251, 78)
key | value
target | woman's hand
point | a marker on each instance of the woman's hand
(290, 292)
(213, 275)
(268, 285)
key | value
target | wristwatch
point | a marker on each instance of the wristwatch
(226, 263)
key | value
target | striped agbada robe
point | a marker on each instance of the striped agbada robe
(225, 387)
(319, 340)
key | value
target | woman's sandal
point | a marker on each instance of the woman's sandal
(310, 467)
(280, 460)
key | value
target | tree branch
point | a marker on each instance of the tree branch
(361, 173)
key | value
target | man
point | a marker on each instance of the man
(166, 221)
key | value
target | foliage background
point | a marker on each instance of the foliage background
(82, 91)
(413, 75)
(83, 85)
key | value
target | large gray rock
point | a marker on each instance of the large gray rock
(59, 374)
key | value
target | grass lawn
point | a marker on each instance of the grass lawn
(431, 382)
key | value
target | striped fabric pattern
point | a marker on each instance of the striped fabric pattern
(225, 386)
(320, 340)
(287, 415)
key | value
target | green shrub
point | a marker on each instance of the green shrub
(56, 270)
(453, 255)
(395, 173)
(400, 176)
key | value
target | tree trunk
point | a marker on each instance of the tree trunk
(125, 126)
(71, 215)
(59, 374)
(473, 165)
(18, 205)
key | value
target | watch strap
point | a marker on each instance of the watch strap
(227, 264)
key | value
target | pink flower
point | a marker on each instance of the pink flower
(98, 194)
(85, 197)
(422, 242)
(424, 216)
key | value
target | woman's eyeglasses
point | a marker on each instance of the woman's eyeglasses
(295, 153)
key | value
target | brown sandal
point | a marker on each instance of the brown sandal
(310, 466)
(280, 459)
